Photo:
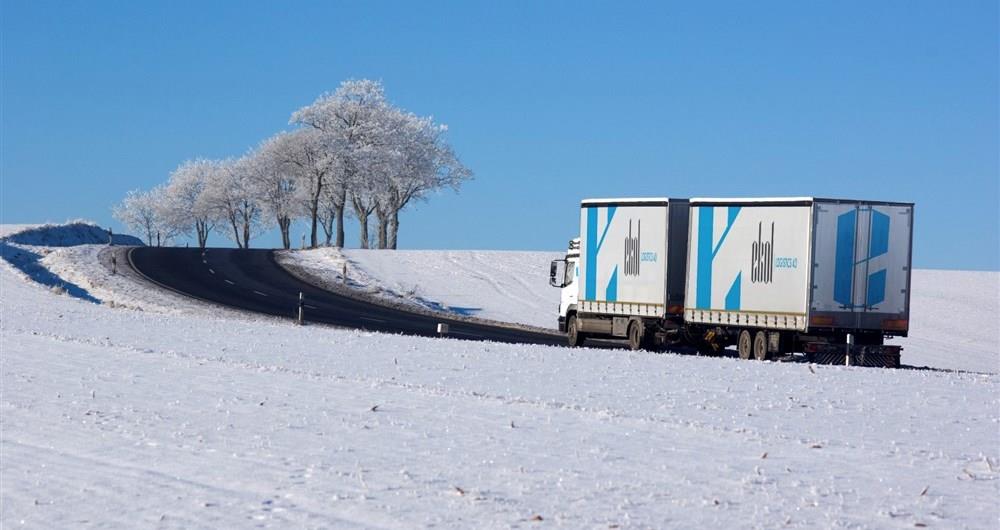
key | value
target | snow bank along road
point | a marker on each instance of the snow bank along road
(252, 280)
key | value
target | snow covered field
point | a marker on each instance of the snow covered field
(117, 417)
(955, 315)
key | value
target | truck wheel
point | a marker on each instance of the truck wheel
(573, 335)
(635, 333)
(745, 345)
(760, 346)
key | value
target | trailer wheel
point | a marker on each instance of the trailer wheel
(745, 345)
(635, 333)
(573, 336)
(760, 346)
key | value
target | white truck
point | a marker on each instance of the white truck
(827, 278)
(624, 276)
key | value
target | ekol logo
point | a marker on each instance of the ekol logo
(762, 257)
(631, 267)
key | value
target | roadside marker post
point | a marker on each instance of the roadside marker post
(301, 306)
(442, 329)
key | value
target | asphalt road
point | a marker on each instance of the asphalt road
(252, 280)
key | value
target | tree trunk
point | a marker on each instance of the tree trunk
(383, 229)
(202, 228)
(283, 224)
(246, 234)
(328, 228)
(340, 220)
(394, 229)
(363, 223)
(314, 210)
(236, 230)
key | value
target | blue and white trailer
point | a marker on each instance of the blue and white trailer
(627, 268)
(829, 278)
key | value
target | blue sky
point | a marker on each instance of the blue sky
(547, 102)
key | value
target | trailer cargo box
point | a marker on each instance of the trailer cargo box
(632, 254)
(800, 264)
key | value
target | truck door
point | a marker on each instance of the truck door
(861, 262)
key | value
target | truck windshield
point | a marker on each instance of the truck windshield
(570, 272)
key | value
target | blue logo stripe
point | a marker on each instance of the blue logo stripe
(733, 296)
(843, 270)
(879, 243)
(611, 292)
(876, 288)
(703, 294)
(590, 280)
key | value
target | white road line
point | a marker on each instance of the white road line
(229, 282)
(260, 293)
(211, 270)
(307, 306)
(373, 320)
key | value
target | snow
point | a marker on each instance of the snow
(503, 286)
(954, 321)
(63, 235)
(75, 259)
(116, 417)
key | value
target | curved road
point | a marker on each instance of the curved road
(252, 280)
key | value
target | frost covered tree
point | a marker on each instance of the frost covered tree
(388, 158)
(348, 119)
(275, 181)
(185, 206)
(143, 212)
(332, 204)
(232, 194)
(421, 163)
(307, 155)
(352, 151)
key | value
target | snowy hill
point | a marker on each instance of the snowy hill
(115, 417)
(955, 315)
(208, 418)
(63, 235)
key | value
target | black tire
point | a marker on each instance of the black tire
(760, 346)
(744, 345)
(573, 336)
(635, 333)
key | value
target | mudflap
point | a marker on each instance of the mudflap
(880, 356)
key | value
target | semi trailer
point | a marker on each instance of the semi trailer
(828, 279)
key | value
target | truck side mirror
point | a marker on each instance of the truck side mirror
(555, 278)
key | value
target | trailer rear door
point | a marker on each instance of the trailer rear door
(861, 264)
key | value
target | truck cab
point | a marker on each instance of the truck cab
(565, 274)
